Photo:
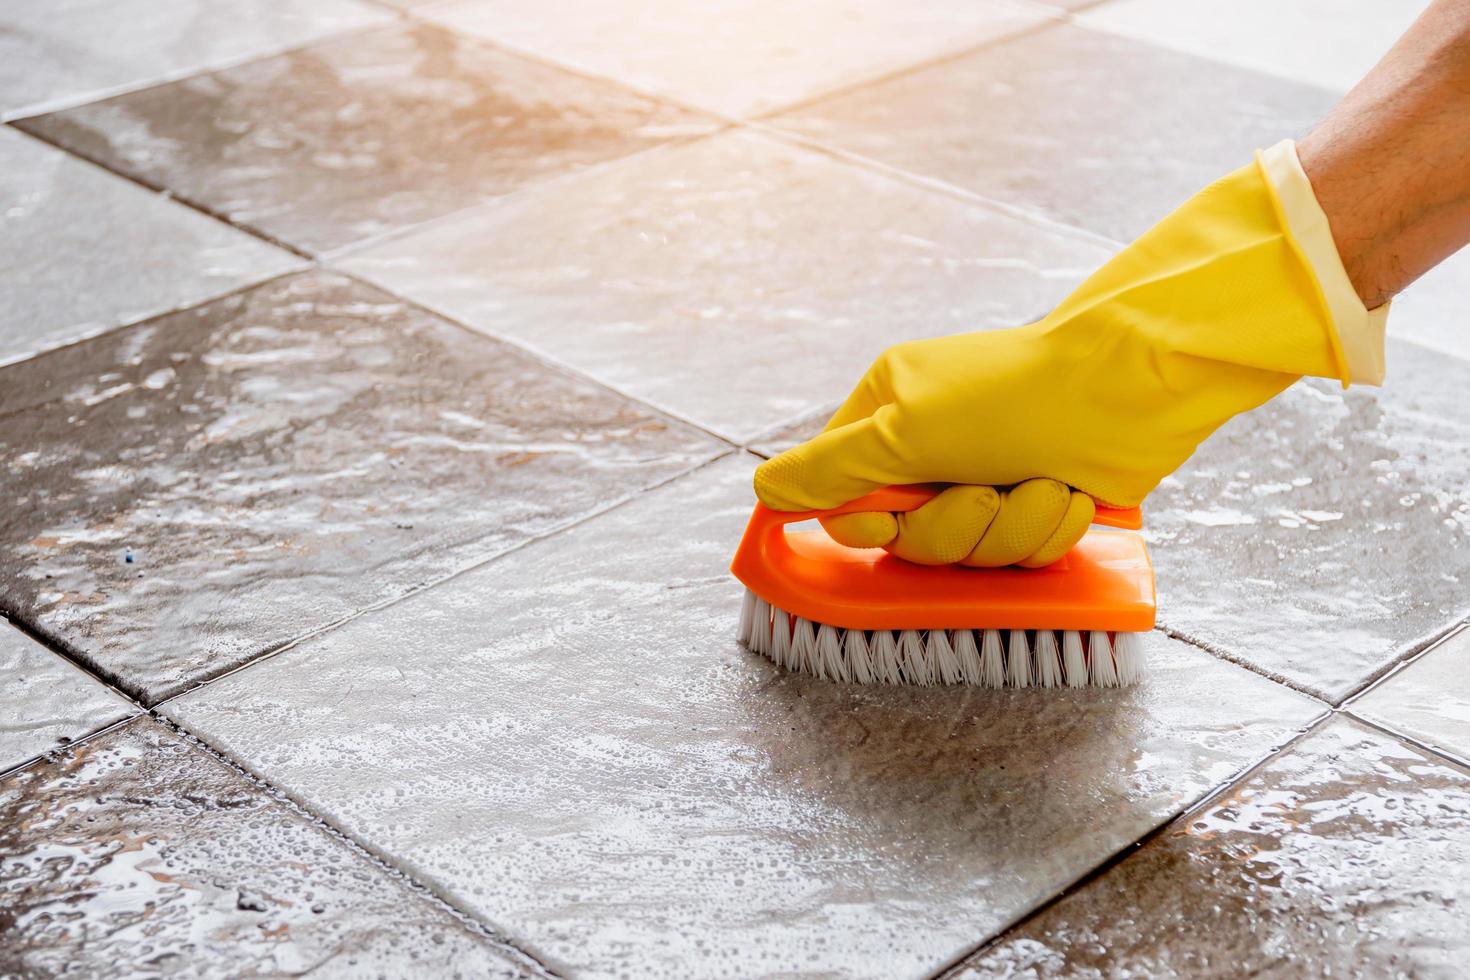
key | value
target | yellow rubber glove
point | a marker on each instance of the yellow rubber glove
(1213, 311)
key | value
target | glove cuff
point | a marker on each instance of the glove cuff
(1357, 332)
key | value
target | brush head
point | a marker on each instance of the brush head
(872, 617)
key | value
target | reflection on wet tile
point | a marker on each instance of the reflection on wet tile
(1093, 129)
(1323, 534)
(741, 56)
(1316, 41)
(356, 136)
(54, 53)
(82, 251)
(45, 702)
(1344, 856)
(138, 854)
(1429, 699)
(610, 777)
(735, 281)
(184, 494)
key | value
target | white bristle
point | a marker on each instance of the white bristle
(803, 653)
(992, 660)
(968, 655)
(1100, 657)
(828, 661)
(942, 659)
(1129, 657)
(760, 626)
(1048, 659)
(887, 664)
(859, 666)
(1018, 660)
(780, 637)
(1074, 660)
(988, 658)
(916, 668)
(747, 616)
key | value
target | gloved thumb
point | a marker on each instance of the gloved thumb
(839, 465)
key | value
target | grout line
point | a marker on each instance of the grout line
(93, 96)
(1443, 754)
(1414, 651)
(57, 751)
(1220, 653)
(955, 965)
(540, 356)
(485, 929)
(1048, 15)
(464, 569)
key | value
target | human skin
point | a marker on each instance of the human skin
(1389, 164)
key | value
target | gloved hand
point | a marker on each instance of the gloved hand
(1213, 311)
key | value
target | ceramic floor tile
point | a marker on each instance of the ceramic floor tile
(1345, 856)
(613, 780)
(740, 56)
(1429, 699)
(139, 854)
(184, 494)
(1321, 42)
(1324, 534)
(1090, 128)
(72, 50)
(736, 281)
(82, 251)
(356, 136)
(46, 702)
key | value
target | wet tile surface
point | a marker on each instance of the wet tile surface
(189, 492)
(139, 854)
(739, 57)
(1093, 129)
(360, 135)
(1429, 699)
(82, 251)
(735, 281)
(612, 780)
(46, 702)
(1432, 311)
(1312, 41)
(67, 52)
(1322, 535)
(1345, 856)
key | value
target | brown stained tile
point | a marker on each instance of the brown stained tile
(739, 57)
(69, 52)
(1092, 129)
(82, 251)
(46, 702)
(1347, 855)
(138, 854)
(1429, 699)
(1324, 534)
(356, 136)
(570, 742)
(736, 281)
(277, 459)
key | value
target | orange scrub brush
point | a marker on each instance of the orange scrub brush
(862, 615)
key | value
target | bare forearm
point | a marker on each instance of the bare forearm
(1390, 164)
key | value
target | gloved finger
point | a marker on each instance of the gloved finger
(1029, 513)
(839, 465)
(947, 528)
(1080, 510)
(869, 529)
(872, 392)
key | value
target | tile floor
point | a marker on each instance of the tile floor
(380, 385)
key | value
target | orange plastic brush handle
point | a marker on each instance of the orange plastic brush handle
(1104, 583)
